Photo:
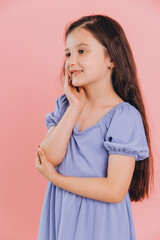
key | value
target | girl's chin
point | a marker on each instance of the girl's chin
(75, 83)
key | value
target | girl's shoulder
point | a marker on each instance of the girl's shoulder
(62, 103)
(124, 132)
(62, 99)
(52, 118)
(122, 112)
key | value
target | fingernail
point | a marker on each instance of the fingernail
(39, 150)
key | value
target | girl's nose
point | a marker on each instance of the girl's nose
(72, 60)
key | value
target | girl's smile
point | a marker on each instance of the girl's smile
(76, 73)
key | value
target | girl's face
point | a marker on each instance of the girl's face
(90, 58)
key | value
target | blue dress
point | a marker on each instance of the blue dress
(67, 216)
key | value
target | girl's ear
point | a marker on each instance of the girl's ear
(111, 64)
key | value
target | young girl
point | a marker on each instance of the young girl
(96, 155)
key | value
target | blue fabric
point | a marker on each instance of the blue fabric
(52, 118)
(67, 216)
(127, 133)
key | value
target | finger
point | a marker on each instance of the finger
(38, 159)
(69, 75)
(41, 154)
(81, 89)
(38, 146)
(65, 77)
(37, 162)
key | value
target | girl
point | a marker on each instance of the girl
(96, 155)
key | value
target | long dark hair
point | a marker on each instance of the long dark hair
(125, 83)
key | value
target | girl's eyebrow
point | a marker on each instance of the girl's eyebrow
(78, 45)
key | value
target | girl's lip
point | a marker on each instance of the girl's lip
(74, 74)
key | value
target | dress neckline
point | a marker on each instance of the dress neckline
(75, 129)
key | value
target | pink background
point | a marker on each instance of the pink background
(31, 54)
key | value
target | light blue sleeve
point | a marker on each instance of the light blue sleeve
(52, 118)
(126, 134)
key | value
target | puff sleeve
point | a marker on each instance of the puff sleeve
(52, 118)
(126, 135)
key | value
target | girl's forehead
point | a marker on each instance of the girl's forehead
(80, 36)
(80, 31)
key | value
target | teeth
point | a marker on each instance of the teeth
(77, 71)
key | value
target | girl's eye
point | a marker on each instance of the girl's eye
(81, 50)
(67, 55)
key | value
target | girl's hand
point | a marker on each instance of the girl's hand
(74, 97)
(44, 166)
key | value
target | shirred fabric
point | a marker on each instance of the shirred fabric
(68, 216)
(52, 118)
(126, 134)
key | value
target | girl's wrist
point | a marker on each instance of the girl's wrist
(55, 176)
(77, 108)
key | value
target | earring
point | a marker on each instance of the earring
(110, 67)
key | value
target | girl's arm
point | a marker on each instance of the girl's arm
(56, 142)
(97, 188)
(112, 188)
